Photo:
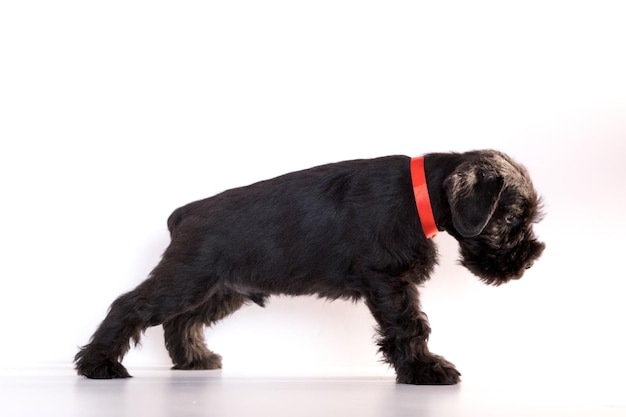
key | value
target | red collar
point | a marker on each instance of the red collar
(422, 200)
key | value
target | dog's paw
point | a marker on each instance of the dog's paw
(443, 372)
(213, 361)
(433, 370)
(104, 369)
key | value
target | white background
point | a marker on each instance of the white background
(112, 114)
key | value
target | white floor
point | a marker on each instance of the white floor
(159, 392)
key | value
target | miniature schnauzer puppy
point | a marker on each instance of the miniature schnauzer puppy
(357, 230)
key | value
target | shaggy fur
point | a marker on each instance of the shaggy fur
(347, 230)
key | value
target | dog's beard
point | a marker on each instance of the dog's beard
(495, 266)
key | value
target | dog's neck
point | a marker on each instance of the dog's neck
(422, 198)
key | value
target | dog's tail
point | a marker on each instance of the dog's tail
(175, 218)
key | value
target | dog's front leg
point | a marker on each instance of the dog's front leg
(404, 332)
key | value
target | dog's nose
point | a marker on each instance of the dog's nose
(530, 264)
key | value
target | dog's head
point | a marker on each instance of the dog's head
(493, 208)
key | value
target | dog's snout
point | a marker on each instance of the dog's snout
(530, 264)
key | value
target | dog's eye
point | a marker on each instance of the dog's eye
(512, 220)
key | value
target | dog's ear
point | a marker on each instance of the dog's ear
(473, 192)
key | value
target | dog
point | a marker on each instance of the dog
(356, 230)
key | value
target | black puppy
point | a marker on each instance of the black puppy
(353, 230)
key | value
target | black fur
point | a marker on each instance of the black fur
(347, 230)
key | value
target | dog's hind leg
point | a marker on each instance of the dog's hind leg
(184, 333)
(173, 288)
